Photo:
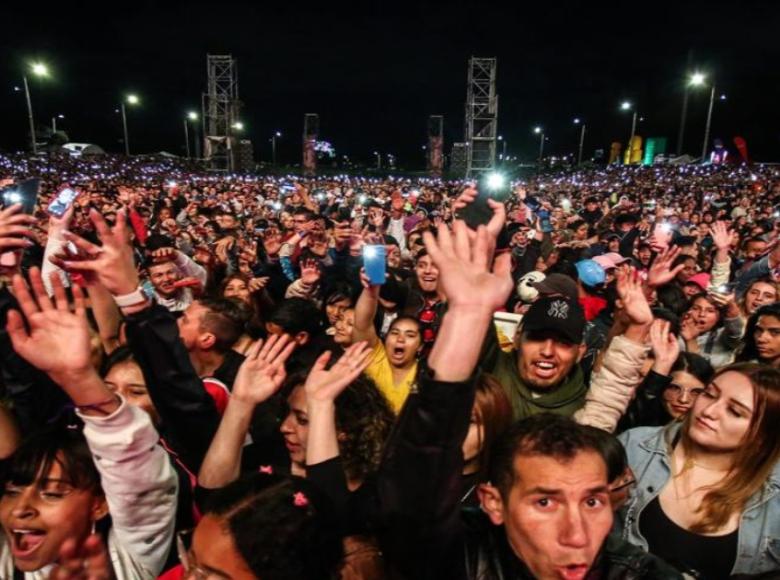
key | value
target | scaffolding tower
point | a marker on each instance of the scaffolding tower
(481, 116)
(220, 112)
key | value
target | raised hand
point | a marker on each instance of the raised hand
(496, 223)
(110, 263)
(310, 272)
(15, 228)
(263, 372)
(90, 561)
(464, 267)
(665, 347)
(257, 284)
(57, 341)
(164, 254)
(661, 271)
(721, 236)
(635, 305)
(325, 385)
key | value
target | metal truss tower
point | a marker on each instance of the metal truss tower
(481, 116)
(220, 112)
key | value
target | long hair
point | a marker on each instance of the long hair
(753, 462)
(494, 412)
(748, 351)
(742, 302)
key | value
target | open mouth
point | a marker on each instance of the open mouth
(545, 369)
(25, 541)
(573, 571)
(397, 352)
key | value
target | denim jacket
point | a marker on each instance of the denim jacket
(758, 549)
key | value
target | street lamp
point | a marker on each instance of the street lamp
(191, 116)
(276, 135)
(627, 106)
(54, 122)
(503, 147)
(699, 80)
(378, 160)
(40, 70)
(579, 121)
(539, 131)
(130, 100)
(238, 126)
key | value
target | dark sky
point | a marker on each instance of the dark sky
(374, 72)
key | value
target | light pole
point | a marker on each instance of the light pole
(503, 148)
(539, 131)
(131, 100)
(378, 160)
(273, 147)
(627, 106)
(191, 116)
(39, 70)
(582, 139)
(54, 122)
(698, 80)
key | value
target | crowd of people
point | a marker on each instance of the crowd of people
(201, 379)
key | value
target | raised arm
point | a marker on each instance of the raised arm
(365, 310)
(260, 376)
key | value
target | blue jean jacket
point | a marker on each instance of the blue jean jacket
(758, 549)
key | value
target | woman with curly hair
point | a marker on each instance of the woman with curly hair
(251, 293)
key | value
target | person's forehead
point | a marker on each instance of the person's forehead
(162, 268)
(582, 472)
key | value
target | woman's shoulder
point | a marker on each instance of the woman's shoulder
(650, 437)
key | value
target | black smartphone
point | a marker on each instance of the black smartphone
(24, 192)
(490, 185)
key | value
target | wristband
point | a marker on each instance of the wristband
(137, 296)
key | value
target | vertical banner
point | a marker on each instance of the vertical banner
(614, 152)
(742, 148)
(634, 152)
(311, 126)
(436, 145)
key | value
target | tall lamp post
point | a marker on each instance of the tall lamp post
(130, 100)
(627, 106)
(274, 137)
(40, 70)
(503, 148)
(539, 131)
(191, 116)
(579, 121)
(378, 160)
(698, 80)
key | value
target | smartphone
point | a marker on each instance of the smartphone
(24, 192)
(490, 186)
(375, 263)
(344, 214)
(63, 201)
(544, 221)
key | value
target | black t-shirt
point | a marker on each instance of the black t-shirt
(228, 370)
(706, 557)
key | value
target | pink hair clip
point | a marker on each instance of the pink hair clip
(300, 500)
(267, 469)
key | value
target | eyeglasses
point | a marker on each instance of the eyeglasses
(674, 391)
(191, 570)
(627, 485)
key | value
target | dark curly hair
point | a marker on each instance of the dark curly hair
(365, 418)
(282, 526)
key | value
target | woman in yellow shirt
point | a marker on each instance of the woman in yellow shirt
(393, 364)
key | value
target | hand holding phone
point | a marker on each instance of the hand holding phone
(62, 202)
(375, 263)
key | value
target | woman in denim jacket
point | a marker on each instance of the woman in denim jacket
(708, 489)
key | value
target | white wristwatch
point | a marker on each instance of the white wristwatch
(137, 296)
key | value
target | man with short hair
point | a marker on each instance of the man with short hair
(168, 268)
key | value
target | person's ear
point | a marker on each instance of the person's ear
(206, 341)
(582, 350)
(302, 338)
(99, 508)
(491, 502)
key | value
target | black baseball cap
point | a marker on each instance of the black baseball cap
(556, 315)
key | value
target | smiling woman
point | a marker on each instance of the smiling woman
(719, 512)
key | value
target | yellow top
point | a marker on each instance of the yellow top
(380, 370)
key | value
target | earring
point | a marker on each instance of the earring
(94, 525)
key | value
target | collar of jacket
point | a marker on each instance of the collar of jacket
(661, 441)
(572, 388)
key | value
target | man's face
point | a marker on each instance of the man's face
(427, 274)
(190, 330)
(163, 276)
(545, 359)
(754, 249)
(557, 515)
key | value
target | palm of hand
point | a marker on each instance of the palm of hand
(322, 385)
(467, 285)
(58, 341)
(257, 381)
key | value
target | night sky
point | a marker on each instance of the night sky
(374, 72)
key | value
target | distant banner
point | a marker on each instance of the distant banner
(309, 156)
(742, 148)
(436, 155)
(614, 152)
(633, 154)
